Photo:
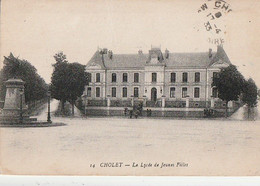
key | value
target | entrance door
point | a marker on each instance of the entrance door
(154, 94)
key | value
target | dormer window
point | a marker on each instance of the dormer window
(154, 77)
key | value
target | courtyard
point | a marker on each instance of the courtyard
(122, 146)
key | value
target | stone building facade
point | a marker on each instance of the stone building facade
(157, 79)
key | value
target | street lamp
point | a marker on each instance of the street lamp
(85, 103)
(21, 106)
(49, 107)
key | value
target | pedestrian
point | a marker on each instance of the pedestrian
(125, 111)
(130, 114)
(136, 114)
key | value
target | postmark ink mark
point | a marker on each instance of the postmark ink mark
(213, 11)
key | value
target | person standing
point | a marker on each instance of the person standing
(131, 114)
(126, 111)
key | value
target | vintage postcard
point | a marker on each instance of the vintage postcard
(130, 87)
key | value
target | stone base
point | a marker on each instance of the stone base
(16, 120)
(13, 113)
(12, 116)
(33, 124)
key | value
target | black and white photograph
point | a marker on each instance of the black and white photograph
(130, 88)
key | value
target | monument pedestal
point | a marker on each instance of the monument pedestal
(15, 109)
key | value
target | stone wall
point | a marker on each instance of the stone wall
(155, 113)
(97, 103)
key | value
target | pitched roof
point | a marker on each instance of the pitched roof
(179, 60)
(220, 55)
(189, 59)
(97, 59)
(126, 60)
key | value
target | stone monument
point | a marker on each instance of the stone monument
(15, 109)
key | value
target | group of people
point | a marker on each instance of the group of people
(208, 112)
(136, 112)
(131, 113)
(149, 112)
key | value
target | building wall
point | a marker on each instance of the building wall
(130, 84)
(93, 84)
(149, 84)
(210, 80)
(190, 84)
(145, 84)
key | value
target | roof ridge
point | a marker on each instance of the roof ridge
(205, 52)
(137, 60)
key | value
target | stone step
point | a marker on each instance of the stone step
(15, 120)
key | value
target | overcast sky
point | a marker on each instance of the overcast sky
(36, 30)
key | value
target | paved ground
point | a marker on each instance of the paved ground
(209, 147)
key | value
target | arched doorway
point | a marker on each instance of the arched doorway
(153, 94)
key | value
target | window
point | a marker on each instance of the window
(196, 92)
(97, 92)
(214, 92)
(184, 77)
(184, 92)
(97, 77)
(154, 77)
(124, 77)
(89, 77)
(89, 92)
(136, 92)
(124, 92)
(136, 77)
(172, 92)
(173, 77)
(197, 77)
(215, 74)
(113, 77)
(114, 92)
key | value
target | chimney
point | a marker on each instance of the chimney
(219, 48)
(104, 50)
(110, 54)
(210, 53)
(167, 54)
(140, 52)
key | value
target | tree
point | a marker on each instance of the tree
(77, 81)
(249, 94)
(229, 83)
(35, 87)
(59, 79)
(68, 80)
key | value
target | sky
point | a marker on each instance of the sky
(36, 30)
